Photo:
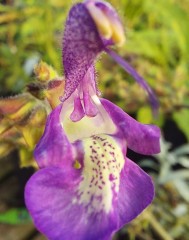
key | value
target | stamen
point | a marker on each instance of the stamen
(118, 35)
(107, 22)
(100, 20)
(78, 112)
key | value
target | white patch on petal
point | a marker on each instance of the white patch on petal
(87, 126)
(103, 163)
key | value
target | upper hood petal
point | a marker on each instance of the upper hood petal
(81, 45)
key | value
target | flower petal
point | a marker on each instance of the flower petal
(103, 160)
(50, 196)
(141, 138)
(64, 212)
(135, 194)
(81, 45)
(75, 203)
(54, 149)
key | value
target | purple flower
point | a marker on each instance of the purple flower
(86, 187)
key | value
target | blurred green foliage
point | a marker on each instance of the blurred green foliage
(15, 216)
(157, 46)
(30, 31)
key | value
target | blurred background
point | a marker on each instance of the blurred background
(157, 46)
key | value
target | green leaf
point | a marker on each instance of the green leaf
(15, 216)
